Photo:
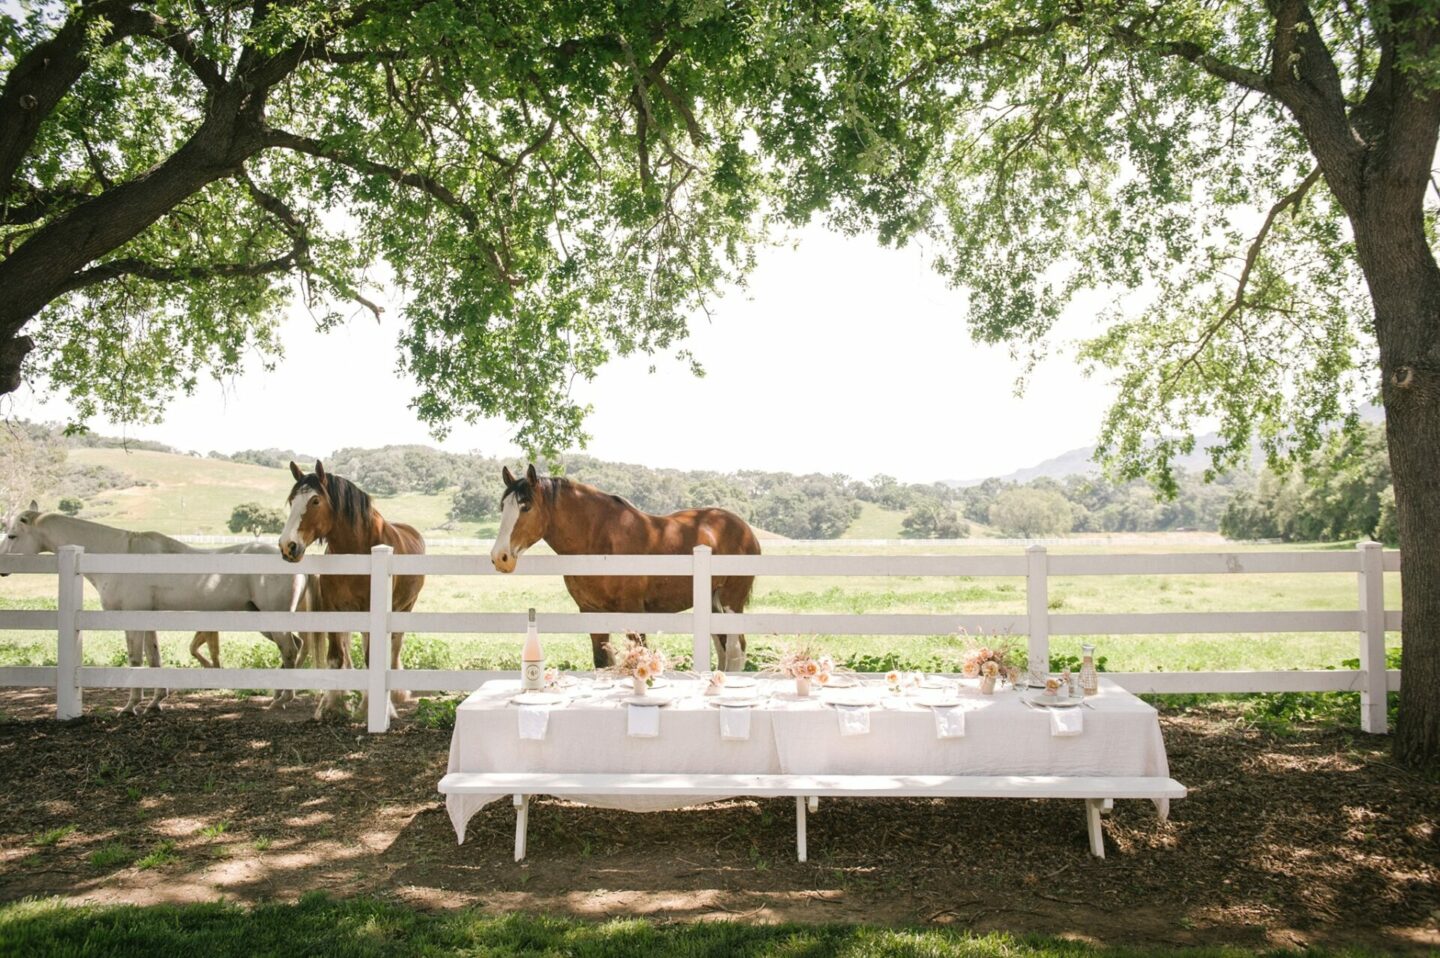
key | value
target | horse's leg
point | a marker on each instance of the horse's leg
(730, 597)
(397, 696)
(337, 656)
(152, 657)
(288, 644)
(210, 639)
(134, 653)
(598, 641)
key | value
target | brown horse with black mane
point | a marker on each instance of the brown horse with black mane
(333, 510)
(576, 519)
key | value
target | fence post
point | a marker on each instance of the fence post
(70, 596)
(1037, 608)
(1371, 581)
(378, 664)
(701, 595)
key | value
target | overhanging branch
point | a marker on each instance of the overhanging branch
(1237, 303)
(428, 185)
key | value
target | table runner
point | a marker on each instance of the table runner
(1121, 737)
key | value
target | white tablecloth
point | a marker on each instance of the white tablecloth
(1121, 737)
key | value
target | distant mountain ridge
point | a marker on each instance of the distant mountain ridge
(1080, 461)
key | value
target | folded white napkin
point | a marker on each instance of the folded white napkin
(949, 722)
(854, 720)
(534, 720)
(1066, 722)
(734, 724)
(643, 721)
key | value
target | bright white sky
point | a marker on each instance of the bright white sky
(841, 356)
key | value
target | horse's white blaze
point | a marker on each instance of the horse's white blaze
(291, 532)
(509, 513)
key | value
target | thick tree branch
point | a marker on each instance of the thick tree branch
(42, 203)
(160, 273)
(41, 78)
(299, 233)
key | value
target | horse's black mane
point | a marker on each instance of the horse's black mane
(350, 503)
(524, 492)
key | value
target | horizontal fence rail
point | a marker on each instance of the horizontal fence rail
(1368, 563)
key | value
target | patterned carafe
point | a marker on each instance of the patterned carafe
(1089, 679)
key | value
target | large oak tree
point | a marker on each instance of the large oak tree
(1252, 182)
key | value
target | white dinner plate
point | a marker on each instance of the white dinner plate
(934, 701)
(735, 701)
(839, 680)
(647, 700)
(1052, 701)
(538, 698)
(739, 681)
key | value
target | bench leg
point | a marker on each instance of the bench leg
(814, 801)
(522, 819)
(1092, 821)
(1108, 806)
(800, 827)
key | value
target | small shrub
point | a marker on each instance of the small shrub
(214, 831)
(436, 713)
(113, 855)
(162, 855)
(53, 836)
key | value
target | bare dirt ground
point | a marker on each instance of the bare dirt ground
(1285, 840)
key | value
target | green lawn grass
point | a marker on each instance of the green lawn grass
(369, 927)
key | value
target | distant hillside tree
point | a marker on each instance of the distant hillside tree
(1030, 513)
(31, 461)
(71, 506)
(271, 458)
(932, 519)
(806, 511)
(478, 497)
(256, 519)
(1336, 494)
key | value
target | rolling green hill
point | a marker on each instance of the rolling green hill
(194, 496)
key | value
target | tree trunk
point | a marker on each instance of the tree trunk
(1405, 288)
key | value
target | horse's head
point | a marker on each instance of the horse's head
(21, 537)
(524, 518)
(312, 514)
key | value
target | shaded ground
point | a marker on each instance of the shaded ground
(1308, 838)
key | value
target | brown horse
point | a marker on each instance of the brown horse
(335, 511)
(576, 519)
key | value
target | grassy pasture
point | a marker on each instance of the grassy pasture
(866, 594)
(192, 495)
(361, 926)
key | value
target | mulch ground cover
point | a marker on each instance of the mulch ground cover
(1288, 838)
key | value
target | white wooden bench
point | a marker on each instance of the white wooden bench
(808, 789)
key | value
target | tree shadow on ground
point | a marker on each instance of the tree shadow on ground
(1307, 838)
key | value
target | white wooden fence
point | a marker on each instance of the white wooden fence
(1370, 621)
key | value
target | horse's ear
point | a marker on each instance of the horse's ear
(296, 471)
(34, 506)
(532, 475)
(320, 471)
(508, 476)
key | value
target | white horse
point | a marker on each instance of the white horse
(32, 532)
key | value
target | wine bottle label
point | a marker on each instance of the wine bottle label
(531, 675)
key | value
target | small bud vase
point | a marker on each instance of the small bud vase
(639, 684)
(802, 686)
(987, 685)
